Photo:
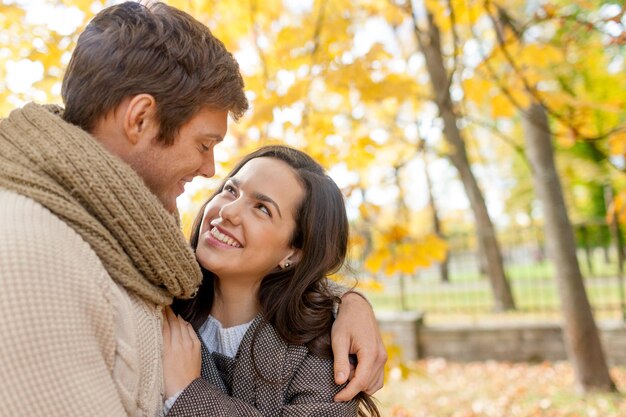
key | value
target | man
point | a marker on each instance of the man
(89, 249)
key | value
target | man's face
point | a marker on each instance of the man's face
(166, 169)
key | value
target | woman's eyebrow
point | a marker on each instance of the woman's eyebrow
(258, 196)
(263, 197)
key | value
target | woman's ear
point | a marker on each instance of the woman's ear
(140, 121)
(291, 259)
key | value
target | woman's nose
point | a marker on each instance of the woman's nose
(231, 212)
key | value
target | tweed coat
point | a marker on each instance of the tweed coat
(297, 383)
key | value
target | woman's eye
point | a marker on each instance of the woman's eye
(229, 189)
(204, 148)
(264, 209)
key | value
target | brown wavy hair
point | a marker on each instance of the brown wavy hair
(296, 301)
(156, 49)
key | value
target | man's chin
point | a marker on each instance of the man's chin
(171, 208)
(170, 205)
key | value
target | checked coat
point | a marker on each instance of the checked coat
(294, 382)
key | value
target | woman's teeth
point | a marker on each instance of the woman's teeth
(223, 238)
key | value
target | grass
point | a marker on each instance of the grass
(533, 285)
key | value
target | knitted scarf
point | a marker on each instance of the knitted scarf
(67, 170)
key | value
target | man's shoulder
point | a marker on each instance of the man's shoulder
(19, 211)
(31, 233)
(22, 218)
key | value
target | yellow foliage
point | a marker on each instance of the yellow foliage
(263, 113)
(186, 221)
(10, 15)
(466, 12)
(377, 259)
(501, 106)
(398, 86)
(357, 245)
(618, 208)
(540, 56)
(394, 359)
(617, 143)
(369, 210)
(370, 285)
(394, 234)
(361, 154)
(394, 15)
(295, 93)
(378, 52)
(439, 10)
(520, 96)
(476, 89)
(437, 247)
(396, 251)
(394, 352)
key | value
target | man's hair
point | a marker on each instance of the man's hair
(130, 49)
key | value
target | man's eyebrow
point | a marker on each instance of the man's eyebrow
(214, 136)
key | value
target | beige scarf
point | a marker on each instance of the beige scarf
(67, 171)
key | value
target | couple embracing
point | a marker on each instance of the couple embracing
(91, 255)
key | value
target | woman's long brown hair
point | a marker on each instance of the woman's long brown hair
(296, 301)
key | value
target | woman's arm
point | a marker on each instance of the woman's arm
(309, 394)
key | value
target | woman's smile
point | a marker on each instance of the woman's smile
(248, 225)
(221, 237)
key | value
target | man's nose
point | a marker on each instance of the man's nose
(207, 169)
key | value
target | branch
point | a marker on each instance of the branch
(255, 33)
(455, 42)
(531, 88)
(259, 51)
(319, 25)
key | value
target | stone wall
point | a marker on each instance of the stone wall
(527, 342)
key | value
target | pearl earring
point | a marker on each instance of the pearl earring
(287, 264)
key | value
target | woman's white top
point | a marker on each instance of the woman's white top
(224, 341)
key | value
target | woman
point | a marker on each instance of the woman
(266, 241)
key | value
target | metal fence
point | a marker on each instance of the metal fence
(467, 293)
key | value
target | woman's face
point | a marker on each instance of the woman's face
(247, 227)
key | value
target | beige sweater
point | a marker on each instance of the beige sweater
(72, 341)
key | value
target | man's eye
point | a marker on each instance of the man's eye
(229, 189)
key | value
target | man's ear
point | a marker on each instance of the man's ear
(140, 119)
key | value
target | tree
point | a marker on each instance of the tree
(443, 264)
(580, 332)
(430, 44)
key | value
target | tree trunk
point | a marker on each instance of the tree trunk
(579, 329)
(443, 265)
(489, 248)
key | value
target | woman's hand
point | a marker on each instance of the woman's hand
(181, 353)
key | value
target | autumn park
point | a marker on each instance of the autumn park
(480, 146)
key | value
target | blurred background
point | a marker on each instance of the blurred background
(480, 145)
